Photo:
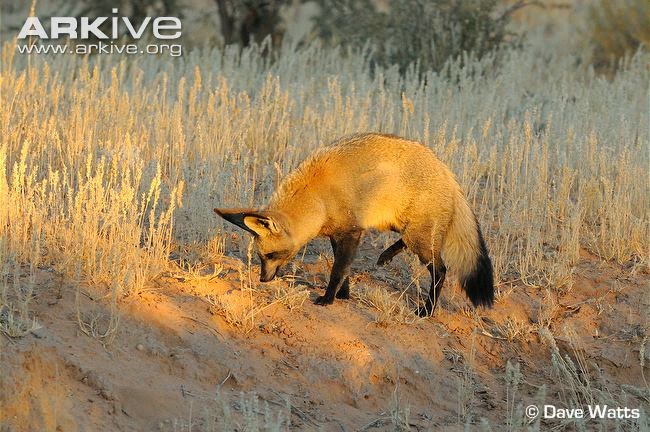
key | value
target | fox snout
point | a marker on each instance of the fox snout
(268, 272)
(267, 277)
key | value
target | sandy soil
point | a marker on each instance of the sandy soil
(175, 362)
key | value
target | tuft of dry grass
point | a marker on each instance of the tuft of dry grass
(16, 291)
(96, 322)
(389, 307)
(513, 329)
(582, 383)
(396, 417)
(223, 412)
(244, 308)
(289, 295)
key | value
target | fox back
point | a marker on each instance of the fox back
(370, 181)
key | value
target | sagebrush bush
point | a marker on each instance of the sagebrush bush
(426, 32)
(617, 28)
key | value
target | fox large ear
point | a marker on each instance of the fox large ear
(251, 220)
(261, 225)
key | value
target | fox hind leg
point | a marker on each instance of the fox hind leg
(346, 250)
(425, 243)
(390, 252)
(438, 272)
(344, 292)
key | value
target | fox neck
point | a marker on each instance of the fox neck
(303, 218)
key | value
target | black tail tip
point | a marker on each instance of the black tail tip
(479, 285)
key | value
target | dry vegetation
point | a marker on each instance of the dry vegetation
(110, 166)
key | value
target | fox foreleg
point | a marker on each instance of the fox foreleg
(345, 249)
(344, 291)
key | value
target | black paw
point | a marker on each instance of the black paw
(424, 311)
(343, 294)
(323, 300)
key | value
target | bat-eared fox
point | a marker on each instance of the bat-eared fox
(373, 181)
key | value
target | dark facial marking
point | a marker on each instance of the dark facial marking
(276, 255)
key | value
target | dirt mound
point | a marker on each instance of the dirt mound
(184, 357)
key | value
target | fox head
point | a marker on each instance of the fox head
(273, 243)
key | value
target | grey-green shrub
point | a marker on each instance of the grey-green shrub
(415, 31)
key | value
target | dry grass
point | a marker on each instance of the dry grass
(535, 156)
(243, 309)
(98, 323)
(292, 296)
(582, 384)
(553, 161)
(97, 155)
(240, 309)
(513, 330)
(16, 291)
(388, 307)
(396, 418)
(248, 412)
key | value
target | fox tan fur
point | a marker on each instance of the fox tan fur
(373, 181)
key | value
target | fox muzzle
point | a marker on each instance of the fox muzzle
(268, 272)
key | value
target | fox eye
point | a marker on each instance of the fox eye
(274, 255)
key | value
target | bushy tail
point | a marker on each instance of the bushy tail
(464, 251)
